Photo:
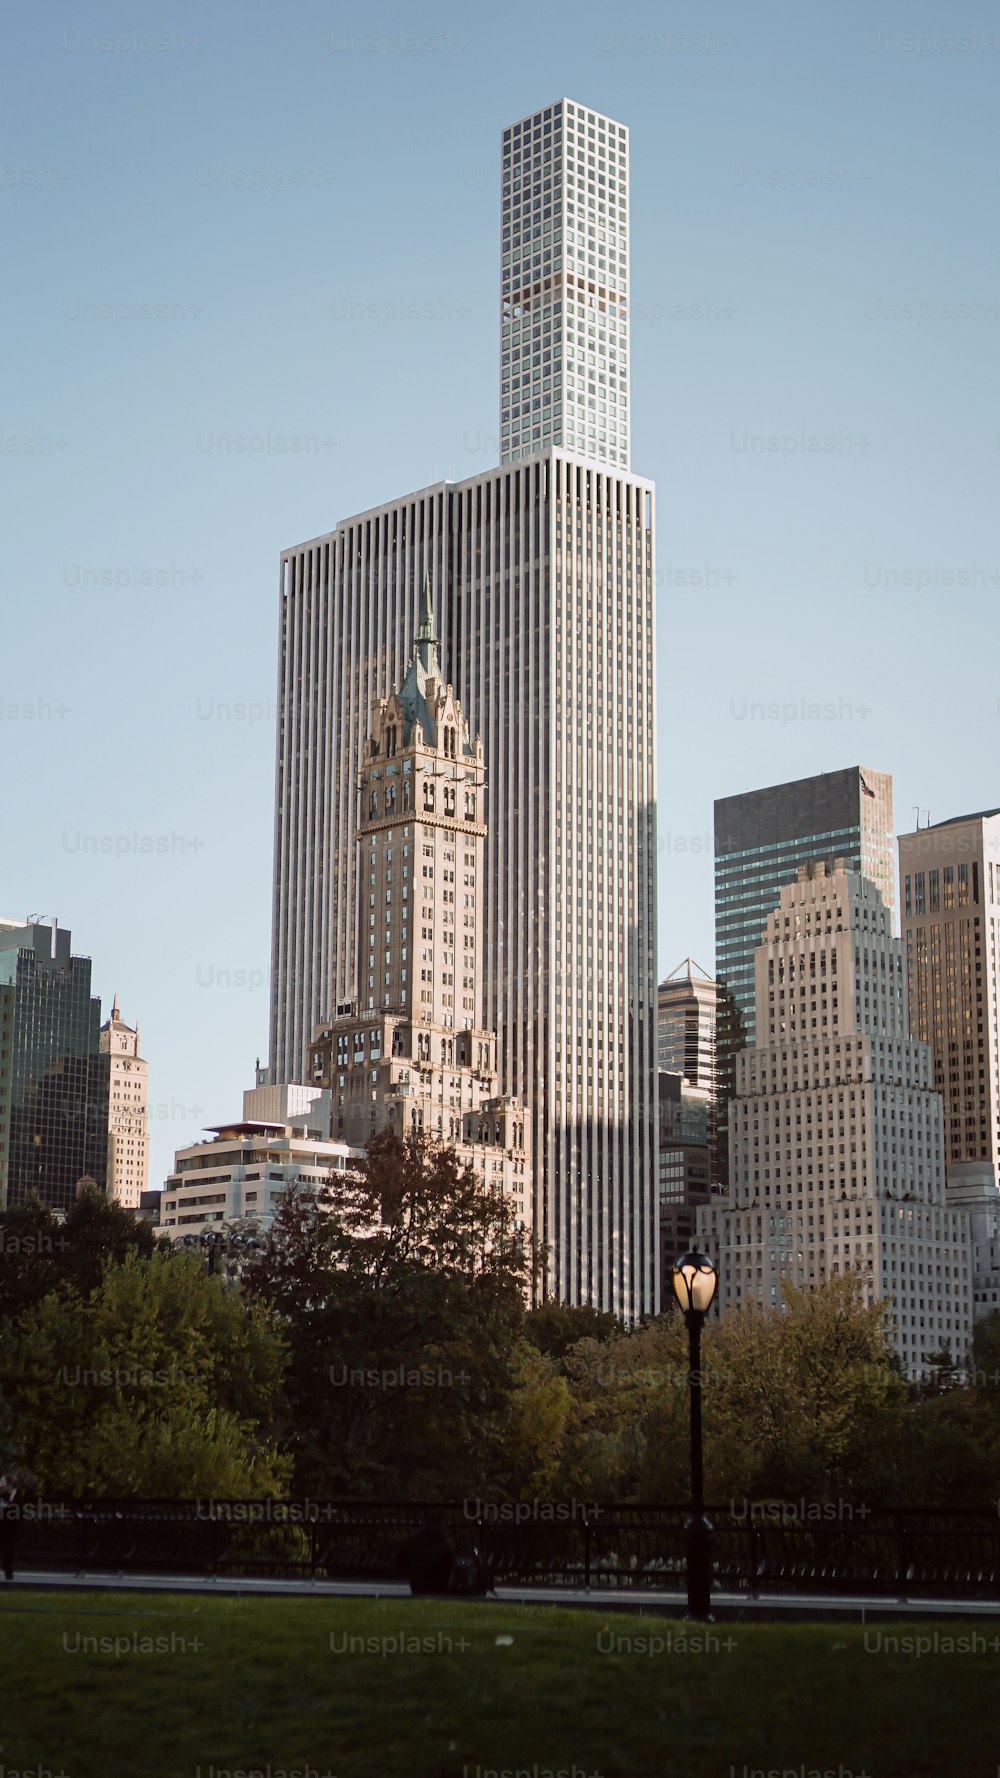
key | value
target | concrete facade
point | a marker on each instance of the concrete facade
(240, 1173)
(837, 1144)
(950, 891)
(761, 839)
(950, 879)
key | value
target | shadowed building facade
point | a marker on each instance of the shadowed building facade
(950, 890)
(54, 1098)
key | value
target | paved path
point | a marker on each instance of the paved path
(725, 1606)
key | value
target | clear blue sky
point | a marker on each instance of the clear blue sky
(822, 180)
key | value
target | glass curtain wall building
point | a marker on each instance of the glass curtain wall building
(54, 1104)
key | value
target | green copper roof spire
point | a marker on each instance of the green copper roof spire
(426, 639)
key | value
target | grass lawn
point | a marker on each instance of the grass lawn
(202, 1687)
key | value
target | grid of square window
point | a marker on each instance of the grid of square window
(564, 286)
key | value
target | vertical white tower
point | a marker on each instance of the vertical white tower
(128, 1128)
(564, 283)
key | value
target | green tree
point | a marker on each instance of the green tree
(402, 1290)
(159, 1382)
(538, 1419)
(795, 1403)
(39, 1253)
(554, 1327)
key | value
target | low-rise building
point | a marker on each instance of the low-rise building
(240, 1171)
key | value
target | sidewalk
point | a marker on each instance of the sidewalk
(733, 1607)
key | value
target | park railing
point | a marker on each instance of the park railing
(757, 1547)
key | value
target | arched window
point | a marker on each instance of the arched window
(406, 793)
(373, 803)
(428, 795)
(449, 800)
(390, 798)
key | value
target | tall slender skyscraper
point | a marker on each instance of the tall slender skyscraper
(564, 285)
(761, 838)
(541, 573)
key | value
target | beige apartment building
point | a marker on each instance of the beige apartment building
(239, 1173)
(950, 892)
(410, 1050)
(837, 1138)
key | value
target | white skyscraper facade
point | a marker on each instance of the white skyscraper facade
(564, 284)
(542, 579)
(837, 1134)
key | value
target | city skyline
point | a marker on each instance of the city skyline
(814, 403)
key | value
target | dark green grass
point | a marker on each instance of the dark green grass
(265, 1687)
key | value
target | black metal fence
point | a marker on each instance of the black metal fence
(761, 1548)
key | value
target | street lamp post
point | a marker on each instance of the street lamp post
(219, 1243)
(695, 1281)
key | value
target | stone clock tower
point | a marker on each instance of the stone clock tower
(128, 1127)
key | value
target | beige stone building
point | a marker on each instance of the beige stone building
(128, 1124)
(837, 1138)
(410, 1050)
(950, 891)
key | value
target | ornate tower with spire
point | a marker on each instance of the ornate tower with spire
(411, 1050)
(128, 1127)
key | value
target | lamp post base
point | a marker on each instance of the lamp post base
(699, 1568)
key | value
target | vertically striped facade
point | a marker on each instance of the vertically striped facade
(542, 579)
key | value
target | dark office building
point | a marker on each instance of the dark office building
(685, 1168)
(53, 1079)
(761, 838)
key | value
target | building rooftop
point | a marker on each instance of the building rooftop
(956, 820)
